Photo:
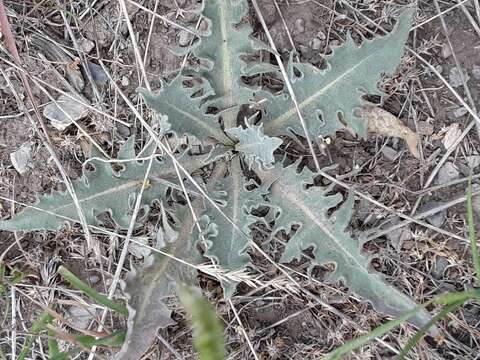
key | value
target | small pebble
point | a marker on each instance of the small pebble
(93, 279)
(461, 111)
(299, 26)
(389, 153)
(455, 77)
(125, 81)
(441, 264)
(447, 173)
(321, 35)
(436, 219)
(58, 118)
(21, 158)
(476, 72)
(98, 74)
(79, 317)
(316, 44)
(184, 38)
(452, 135)
(86, 45)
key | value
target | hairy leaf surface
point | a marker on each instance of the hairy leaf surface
(186, 110)
(322, 95)
(104, 190)
(307, 206)
(221, 56)
(149, 286)
(255, 145)
(226, 245)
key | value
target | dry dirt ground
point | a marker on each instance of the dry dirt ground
(421, 262)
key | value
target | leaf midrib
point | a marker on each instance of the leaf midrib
(291, 196)
(283, 118)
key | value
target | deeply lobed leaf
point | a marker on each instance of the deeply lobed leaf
(296, 202)
(221, 56)
(104, 190)
(148, 287)
(255, 145)
(324, 95)
(226, 245)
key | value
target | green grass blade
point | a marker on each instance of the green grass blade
(91, 293)
(60, 356)
(209, 339)
(420, 333)
(445, 299)
(53, 348)
(471, 230)
(115, 339)
(37, 326)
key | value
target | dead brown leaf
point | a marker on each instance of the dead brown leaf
(382, 122)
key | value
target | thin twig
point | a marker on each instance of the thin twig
(287, 81)
(245, 335)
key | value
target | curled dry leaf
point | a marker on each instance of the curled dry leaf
(382, 122)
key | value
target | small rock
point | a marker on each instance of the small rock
(456, 77)
(447, 173)
(21, 158)
(316, 44)
(451, 136)
(446, 51)
(123, 130)
(476, 72)
(441, 263)
(125, 81)
(71, 110)
(436, 219)
(461, 111)
(184, 38)
(93, 279)
(321, 35)
(299, 26)
(138, 250)
(86, 45)
(399, 236)
(473, 161)
(389, 153)
(79, 317)
(98, 74)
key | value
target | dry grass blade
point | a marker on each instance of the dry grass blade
(288, 84)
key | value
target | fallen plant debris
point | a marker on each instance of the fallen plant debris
(382, 122)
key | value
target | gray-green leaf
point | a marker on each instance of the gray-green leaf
(226, 245)
(104, 190)
(186, 110)
(221, 52)
(324, 95)
(255, 145)
(296, 203)
(148, 287)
